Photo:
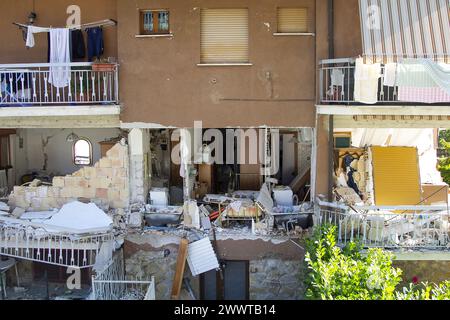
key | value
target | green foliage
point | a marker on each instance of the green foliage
(344, 274)
(444, 163)
(425, 291)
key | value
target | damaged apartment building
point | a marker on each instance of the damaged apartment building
(185, 150)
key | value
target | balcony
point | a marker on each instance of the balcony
(85, 95)
(400, 227)
(31, 84)
(337, 86)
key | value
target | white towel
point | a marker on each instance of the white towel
(390, 74)
(31, 30)
(59, 53)
(366, 81)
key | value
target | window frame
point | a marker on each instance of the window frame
(91, 153)
(342, 134)
(156, 32)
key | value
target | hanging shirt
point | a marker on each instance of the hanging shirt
(95, 42)
(59, 53)
(78, 45)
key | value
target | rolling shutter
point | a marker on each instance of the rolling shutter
(396, 176)
(292, 20)
(224, 36)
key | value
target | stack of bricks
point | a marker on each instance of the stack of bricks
(105, 184)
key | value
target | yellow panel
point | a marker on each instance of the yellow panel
(396, 176)
(292, 20)
(224, 36)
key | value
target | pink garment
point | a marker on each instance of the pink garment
(423, 95)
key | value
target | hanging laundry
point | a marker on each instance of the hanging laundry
(423, 81)
(31, 30)
(59, 54)
(390, 74)
(78, 45)
(337, 78)
(95, 42)
(366, 81)
(423, 95)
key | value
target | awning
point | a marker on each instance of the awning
(396, 29)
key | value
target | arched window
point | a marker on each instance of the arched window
(82, 152)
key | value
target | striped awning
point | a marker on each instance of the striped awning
(396, 29)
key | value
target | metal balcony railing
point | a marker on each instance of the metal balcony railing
(110, 283)
(76, 83)
(32, 242)
(387, 227)
(337, 84)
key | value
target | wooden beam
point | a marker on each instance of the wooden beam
(179, 271)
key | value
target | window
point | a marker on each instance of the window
(154, 22)
(82, 152)
(292, 20)
(342, 140)
(224, 36)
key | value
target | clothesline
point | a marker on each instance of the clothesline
(102, 23)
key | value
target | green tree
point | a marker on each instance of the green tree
(444, 162)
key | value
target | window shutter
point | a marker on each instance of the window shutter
(292, 20)
(224, 36)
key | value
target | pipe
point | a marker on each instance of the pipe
(331, 117)
(330, 29)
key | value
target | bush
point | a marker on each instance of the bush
(425, 291)
(344, 274)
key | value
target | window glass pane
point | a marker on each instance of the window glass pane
(148, 21)
(82, 152)
(163, 18)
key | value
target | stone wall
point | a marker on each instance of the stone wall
(156, 255)
(106, 184)
(424, 271)
(274, 279)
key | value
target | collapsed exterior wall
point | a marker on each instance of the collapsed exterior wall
(105, 184)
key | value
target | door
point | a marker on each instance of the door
(232, 284)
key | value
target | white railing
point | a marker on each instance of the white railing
(31, 84)
(60, 249)
(337, 84)
(111, 284)
(387, 227)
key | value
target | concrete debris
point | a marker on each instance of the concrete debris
(192, 215)
(4, 207)
(42, 215)
(135, 220)
(35, 183)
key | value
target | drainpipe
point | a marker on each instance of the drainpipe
(331, 117)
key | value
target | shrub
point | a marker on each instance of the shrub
(425, 291)
(344, 274)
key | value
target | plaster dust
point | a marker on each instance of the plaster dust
(80, 216)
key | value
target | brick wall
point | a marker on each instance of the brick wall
(106, 184)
